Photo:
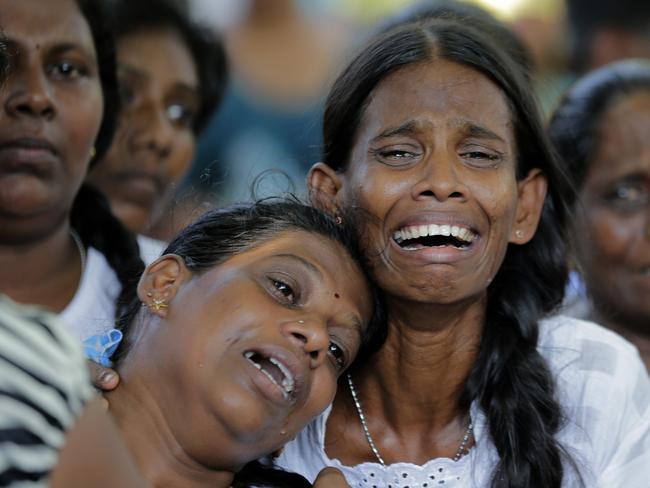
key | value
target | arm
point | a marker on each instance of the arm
(94, 454)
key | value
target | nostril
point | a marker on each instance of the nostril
(456, 194)
(314, 354)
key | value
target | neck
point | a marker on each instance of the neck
(420, 373)
(411, 390)
(44, 271)
(160, 456)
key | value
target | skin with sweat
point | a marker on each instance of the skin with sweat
(155, 141)
(613, 224)
(435, 146)
(50, 114)
(192, 406)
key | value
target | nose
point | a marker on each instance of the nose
(438, 179)
(310, 335)
(29, 95)
(152, 130)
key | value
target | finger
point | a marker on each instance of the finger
(330, 478)
(103, 378)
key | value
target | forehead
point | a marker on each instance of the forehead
(435, 89)
(323, 253)
(624, 131)
(160, 52)
(35, 23)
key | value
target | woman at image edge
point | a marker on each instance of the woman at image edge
(433, 137)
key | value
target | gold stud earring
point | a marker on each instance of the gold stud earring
(519, 233)
(158, 304)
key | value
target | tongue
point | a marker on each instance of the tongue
(270, 368)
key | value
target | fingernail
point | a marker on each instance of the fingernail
(108, 377)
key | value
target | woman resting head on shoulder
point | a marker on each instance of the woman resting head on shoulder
(249, 318)
(60, 247)
(601, 129)
(433, 137)
(172, 74)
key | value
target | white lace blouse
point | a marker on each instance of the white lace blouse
(604, 390)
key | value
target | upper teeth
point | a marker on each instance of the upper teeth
(415, 231)
(288, 382)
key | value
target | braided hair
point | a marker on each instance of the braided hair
(91, 215)
(510, 380)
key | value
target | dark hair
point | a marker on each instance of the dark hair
(587, 17)
(207, 51)
(510, 381)
(466, 13)
(91, 215)
(223, 233)
(575, 124)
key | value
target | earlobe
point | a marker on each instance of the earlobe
(532, 194)
(160, 282)
(324, 185)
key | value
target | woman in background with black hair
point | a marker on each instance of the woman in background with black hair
(433, 136)
(601, 129)
(171, 74)
(60, 246)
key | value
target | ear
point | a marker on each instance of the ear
(324, 185)
(532, 193)
(161, 281)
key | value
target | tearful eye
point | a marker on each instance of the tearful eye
(284, 290)
(337, 354)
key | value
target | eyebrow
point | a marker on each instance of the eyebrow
(14, 46)
(476, 130)
(405, 129)
(412, 126)
(139, 73)
(302, 261)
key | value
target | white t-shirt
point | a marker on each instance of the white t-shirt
(92, 309)
(604, 391)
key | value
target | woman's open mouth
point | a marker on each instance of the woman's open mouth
(415, 237)
(276, 370)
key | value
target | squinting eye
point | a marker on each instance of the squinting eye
(285, 290)
(337, 354)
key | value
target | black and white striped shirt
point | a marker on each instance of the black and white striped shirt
(44, 385)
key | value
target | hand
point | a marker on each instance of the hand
(330, 478)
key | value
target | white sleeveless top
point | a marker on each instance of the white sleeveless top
(603, 388)
(92, 309)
